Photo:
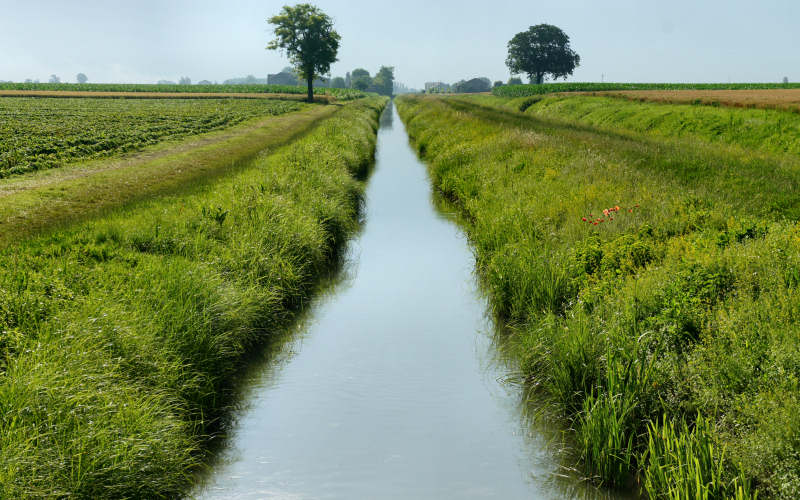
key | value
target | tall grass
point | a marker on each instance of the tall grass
(548, 88)
(648, 279)
(121, 336)
(768, 130)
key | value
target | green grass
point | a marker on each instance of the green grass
(666, 334)
(147, 87)
(121, 337)
(755, 129)
(41, 133)
(548, 88)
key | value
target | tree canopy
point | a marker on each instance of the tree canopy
(307, 36)
(541, 51)
(383, 83)
(81, 78)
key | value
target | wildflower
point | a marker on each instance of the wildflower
(583, 219)
(616, 208)
(605, 212)
(630, 210)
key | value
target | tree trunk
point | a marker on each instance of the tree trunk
(310, 80)
(539, 78)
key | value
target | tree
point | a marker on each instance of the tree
(514, 81)
(81, 78)
(383, 83)
(498, 83)
(482, 84)
(785, 79)
(338, 83)
(306, 34)
(55, 79)
(542, 50)
(360, 79)
(348, 81)
(185, 80)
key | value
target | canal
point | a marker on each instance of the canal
(392, 388)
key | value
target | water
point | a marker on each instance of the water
(391, 390)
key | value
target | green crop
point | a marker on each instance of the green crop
(40, 133)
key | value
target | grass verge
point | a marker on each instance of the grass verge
(652, 288)
(119, 337)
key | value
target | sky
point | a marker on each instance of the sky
(143, 41)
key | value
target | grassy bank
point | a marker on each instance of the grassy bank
(549, 88)
(652, 289)
(119, 337)
(767, 130)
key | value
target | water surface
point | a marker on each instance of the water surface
(391, 390)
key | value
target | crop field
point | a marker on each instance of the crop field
(344, 94)
(549, 88)
(121, 336)
(786, 99)
(42, 133)
(651, 286)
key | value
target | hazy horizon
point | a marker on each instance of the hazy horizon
(111, 41)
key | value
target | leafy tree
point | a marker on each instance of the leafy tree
(55, 79)
(306, 34)
(515, 81)
(184, 80)
(359, 72)
(81, 78)
(474, 85)
(383, 83)
(542, 50)
(338, 83)
(348, 81)
(785, 79)
(498, 83)
(360, 79)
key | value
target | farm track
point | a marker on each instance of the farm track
(33, 202)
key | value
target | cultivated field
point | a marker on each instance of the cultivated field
(44, 133)
(787, 99)
(120, 337)
(651, 285)
(342, 94)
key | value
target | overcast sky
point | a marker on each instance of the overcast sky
(143, 41)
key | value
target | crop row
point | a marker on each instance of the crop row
(154, 87)
(548, 88)
(653, 286)
(41, 133)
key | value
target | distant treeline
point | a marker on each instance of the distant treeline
(359, 79)
(547, 88)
